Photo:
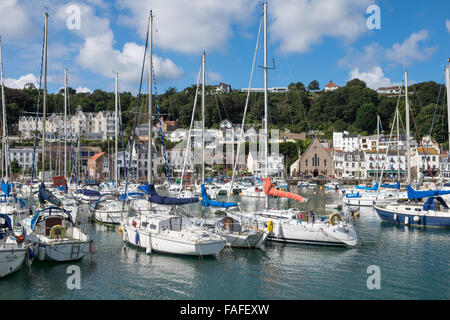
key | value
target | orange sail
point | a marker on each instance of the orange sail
(270, 190)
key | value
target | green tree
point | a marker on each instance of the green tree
(313, 85)
(366, 118)
(356, 83)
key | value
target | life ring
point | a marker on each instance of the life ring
(59, 228)
(333, 217)
(270, 226)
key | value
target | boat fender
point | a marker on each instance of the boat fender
(148, 251)
(41, 256)
(61, 234)
(406, 220)
(30, 253)
(333, 217)
(270, 226)
(416, 219)
(395, 217)
(136, 239)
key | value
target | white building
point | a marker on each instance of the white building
(331, 86)
(343, 141)
(24, 156)
(95, 125)
(257, 166)
(131, 167)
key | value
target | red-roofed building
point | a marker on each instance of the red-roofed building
(331, 86)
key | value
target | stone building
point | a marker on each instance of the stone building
(316, 160)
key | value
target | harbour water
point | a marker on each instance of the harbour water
(413, 262)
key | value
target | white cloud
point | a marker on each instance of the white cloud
(447, 24)
(188, 26)
(300, 24)
(409, 50)
(14, 21)
(83, 90)
(99, 56)
(213, 76)
(22, 81)
(374, 78)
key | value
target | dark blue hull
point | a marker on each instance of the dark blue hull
(423, 220)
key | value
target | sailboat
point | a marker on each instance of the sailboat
(12, 247)
(173, 234)
(107, 208)
(8, 203)
(289, 225)
(433, 211)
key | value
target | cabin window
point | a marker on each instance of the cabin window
(407, 208)
(153, 227)
(418, 209)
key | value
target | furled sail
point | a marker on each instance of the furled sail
(375, 187)
(154, 197)
(270, 190)
(206, 202)
(414, 194)
(46, 195)
(392, 186)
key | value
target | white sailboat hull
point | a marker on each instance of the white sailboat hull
(11, 259)
(163, 244)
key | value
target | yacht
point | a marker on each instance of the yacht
(12, 247)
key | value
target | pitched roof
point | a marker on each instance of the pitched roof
(331, 84)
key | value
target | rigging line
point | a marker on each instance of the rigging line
(137, 107)
(236, 160)
(37, 115)
(431, 128)
(188, 142)
(301, 103)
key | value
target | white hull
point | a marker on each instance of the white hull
(11, 259)
(163, 244)
(61, 251)
(253, 240)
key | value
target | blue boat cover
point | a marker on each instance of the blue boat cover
(209, 180)
(352, 195)
(393, 186)
(7, 223)
(45, 195)
(154, 197)
(6, 188)
(144, 188)
(91, 193)
(429, 204)
(375, 187)
(132, 195)
(37, 214)
(413, 194)
(206, 202)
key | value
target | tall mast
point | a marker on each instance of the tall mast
(408, 156)
(4, 143)
(45, 96)
(150, 100)
(447, 80)
(65, 123)
(266, 104)
(203, 116)
(116, 177)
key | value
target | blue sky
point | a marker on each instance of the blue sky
(310, 40)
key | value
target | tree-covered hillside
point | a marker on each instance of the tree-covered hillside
(353, 107)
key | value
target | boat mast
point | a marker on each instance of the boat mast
(203, 117)
(45, 97)
(266, 111)
(408, 156)
(447, 80)
(4, 144)
(65, 123)
(150, 100)
(117, 128)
